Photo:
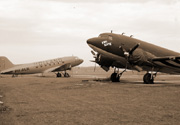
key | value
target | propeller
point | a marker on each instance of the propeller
(134, 48)
(97, 58)
(129, 53)
(93, 52)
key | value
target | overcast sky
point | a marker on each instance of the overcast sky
(34, 30)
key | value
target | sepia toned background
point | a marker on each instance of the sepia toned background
(34, 30)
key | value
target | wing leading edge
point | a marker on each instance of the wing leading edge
(59, 68)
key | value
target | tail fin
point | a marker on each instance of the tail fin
(5, 63)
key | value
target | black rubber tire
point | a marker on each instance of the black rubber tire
(147, 79)
(58, 75)
(115, 77)
(66, 75)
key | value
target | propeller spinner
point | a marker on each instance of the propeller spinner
(127, 54)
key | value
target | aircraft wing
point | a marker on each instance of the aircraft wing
(59, 68)
(171, 61)
(166, 58)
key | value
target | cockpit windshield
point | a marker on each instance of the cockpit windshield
(76, 58)
(105, 36)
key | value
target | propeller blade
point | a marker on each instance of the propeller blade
(93, 52)
(95, 56)
(120, 47)
(98, 58)
(126, 54)
(133, 49)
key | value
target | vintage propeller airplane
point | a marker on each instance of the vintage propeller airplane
(120, 51)
(53, 65)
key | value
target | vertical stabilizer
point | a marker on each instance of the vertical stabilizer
(5, 63)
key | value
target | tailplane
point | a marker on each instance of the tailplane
(5, 63)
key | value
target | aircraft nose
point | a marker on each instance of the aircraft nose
(89, 41)
(81, 61)
(92, 41)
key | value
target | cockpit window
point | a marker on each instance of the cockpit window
(103, 36)
(110, 38)
(106, 36)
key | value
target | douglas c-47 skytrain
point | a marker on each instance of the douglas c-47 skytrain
(120, 51)
(53, 65)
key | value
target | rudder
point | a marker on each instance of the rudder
(5, 63)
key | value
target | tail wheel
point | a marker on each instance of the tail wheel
(115, 77)
(148, 79)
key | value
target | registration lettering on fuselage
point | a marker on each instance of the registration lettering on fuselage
(106, 43)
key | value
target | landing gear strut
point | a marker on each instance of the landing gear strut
(115, 77)
(149, 78)
(14, 75)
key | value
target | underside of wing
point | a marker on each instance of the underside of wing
(63, 68)
(59, 68)
(169, 64)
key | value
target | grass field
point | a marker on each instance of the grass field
(82, 101)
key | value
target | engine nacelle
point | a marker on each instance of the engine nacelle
(104, 62)
(140, 56)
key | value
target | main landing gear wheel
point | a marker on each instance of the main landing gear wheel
(58, 74)
(66, 75)
(148, 79)
(115, 77)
